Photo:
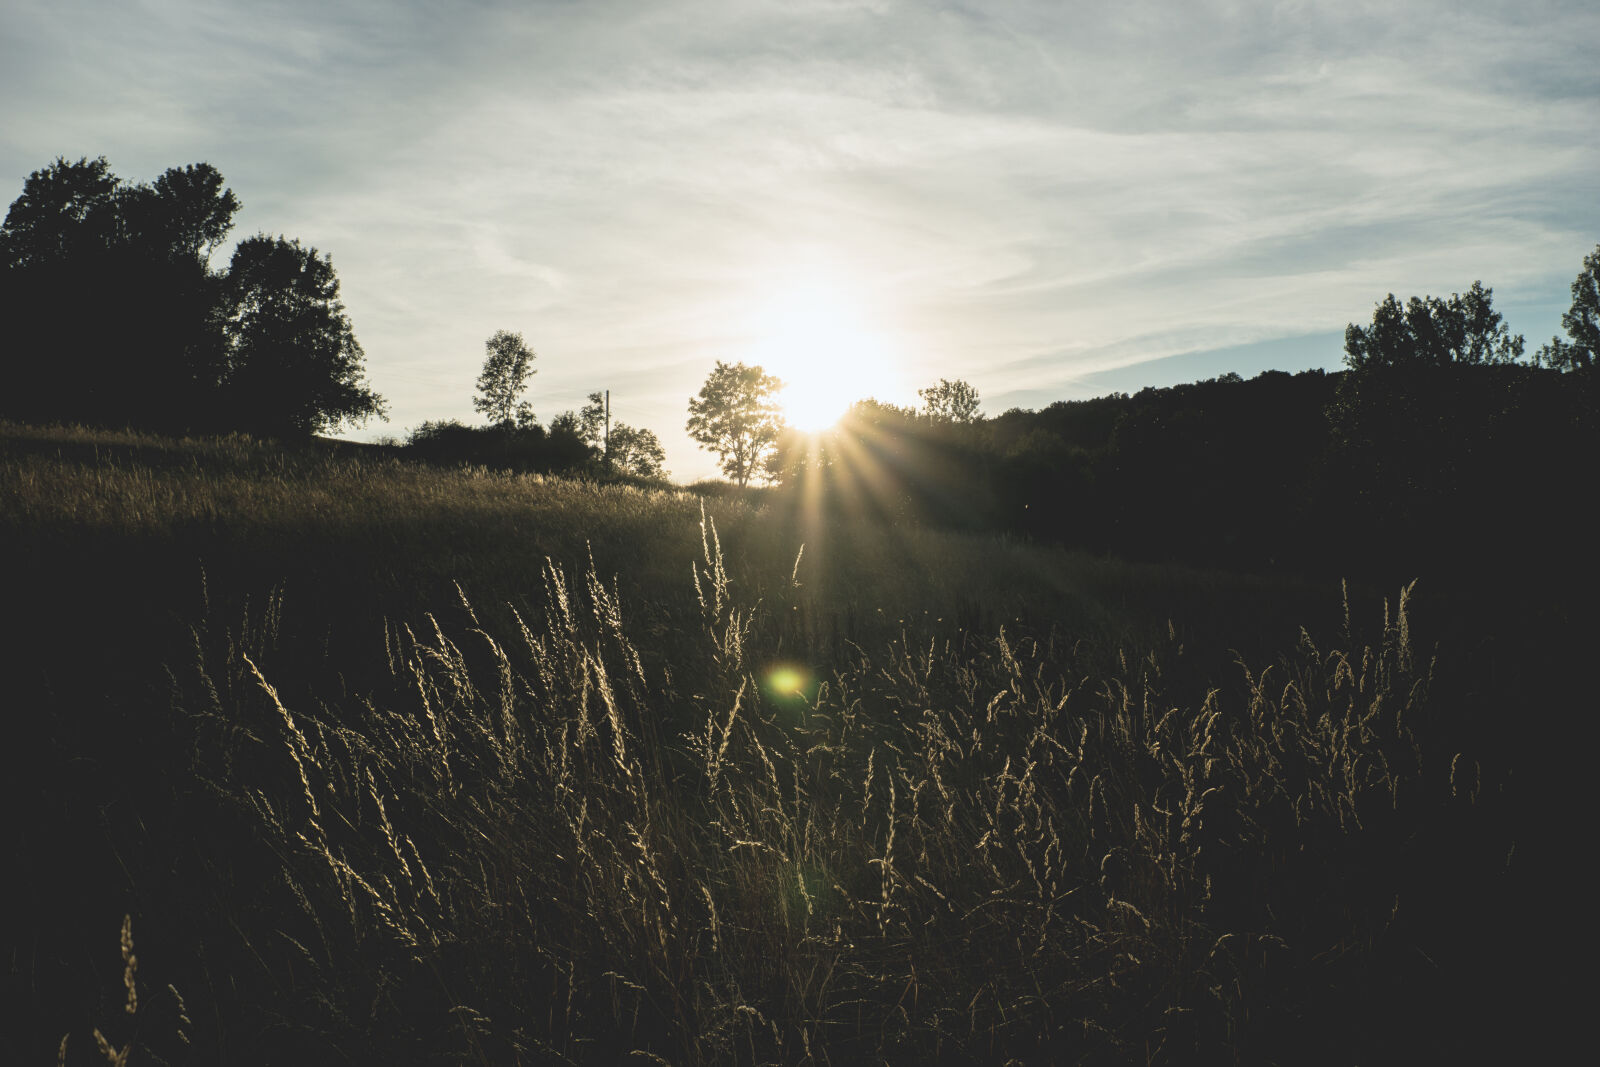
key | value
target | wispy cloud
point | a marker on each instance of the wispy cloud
(1028, 194)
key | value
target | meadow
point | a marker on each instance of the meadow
(384, 762)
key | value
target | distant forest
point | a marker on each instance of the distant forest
(1314, 472)
(1442, 440)
(1442, 444)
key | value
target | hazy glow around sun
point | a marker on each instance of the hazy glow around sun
(824, 345)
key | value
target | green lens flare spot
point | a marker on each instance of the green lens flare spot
(788, 681)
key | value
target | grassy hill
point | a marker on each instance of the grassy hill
(392, 763)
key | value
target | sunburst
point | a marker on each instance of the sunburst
(828, 352)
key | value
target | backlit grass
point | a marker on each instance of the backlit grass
(397, 764)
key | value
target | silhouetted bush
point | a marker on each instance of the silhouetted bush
(501, 447)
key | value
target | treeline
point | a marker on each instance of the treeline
(1440, 443)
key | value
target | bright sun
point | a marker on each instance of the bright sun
(829, 355)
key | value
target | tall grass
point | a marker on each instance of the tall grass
(731, 812)
(529, 846)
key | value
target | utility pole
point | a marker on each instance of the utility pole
(608, 430)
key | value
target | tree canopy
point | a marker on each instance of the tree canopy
(1433, 332)
(950, 401)
(736, 416)
(1581, 321)
(294, 365)
(637, 451)
(66, 211)
(157, 337)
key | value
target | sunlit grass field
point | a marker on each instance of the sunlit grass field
(390, 763)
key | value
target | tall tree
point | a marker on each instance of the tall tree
(736, 416)
(157, 337)
(187, 211)
(126, 265)
(295, 367)
(65, 211)
(951, 400)
(170, 299)
(506, 369)
(1581, 321)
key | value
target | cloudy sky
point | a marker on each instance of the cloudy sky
(1050, 200)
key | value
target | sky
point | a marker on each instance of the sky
(1050, 200)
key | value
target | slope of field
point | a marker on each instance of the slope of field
(396, 764)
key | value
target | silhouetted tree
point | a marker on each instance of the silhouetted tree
(75, 212)
(186, 212)
(636, 451)
(171, 299)
(593, 424)
(1430, 428)
(568, 422)
(501, 447)
(950, 401)
(125, 265)
(1430, 332)
(157, 338)
(621, 447)
(736, 416)
(1389, 400)
(66, 211)
(1581, 321)
(506, 370)
(295, 367)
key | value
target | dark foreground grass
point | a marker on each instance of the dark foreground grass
(394, 764)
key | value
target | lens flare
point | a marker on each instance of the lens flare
(787, 681)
